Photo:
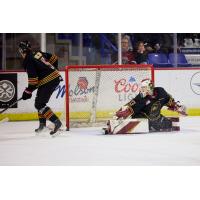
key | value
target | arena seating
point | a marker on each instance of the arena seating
(163, 60)
(181, 60)
(159, 60)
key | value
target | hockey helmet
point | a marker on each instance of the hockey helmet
(146, 87)
(24, 46)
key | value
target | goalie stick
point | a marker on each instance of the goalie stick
(10, 105)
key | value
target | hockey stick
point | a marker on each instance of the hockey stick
(10, 105)
(4, 120)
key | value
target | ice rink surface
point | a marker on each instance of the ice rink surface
(88, 146)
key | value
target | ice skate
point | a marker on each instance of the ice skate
(41, 128)
(55, 132)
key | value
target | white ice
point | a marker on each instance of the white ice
(87, 146)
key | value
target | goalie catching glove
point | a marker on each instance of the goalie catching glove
(124, 112)
(177, 107)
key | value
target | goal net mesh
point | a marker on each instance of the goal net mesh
(95, 93)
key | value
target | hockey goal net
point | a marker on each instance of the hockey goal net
(95, 93)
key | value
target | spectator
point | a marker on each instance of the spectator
(141, 55)
(128, 56)
(157, 48)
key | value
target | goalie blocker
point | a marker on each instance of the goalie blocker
(140, 125)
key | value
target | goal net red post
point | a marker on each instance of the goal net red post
(95, 92)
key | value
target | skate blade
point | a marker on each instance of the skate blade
(45, 130)
(58, 133)
(51, 128)
(45, 133)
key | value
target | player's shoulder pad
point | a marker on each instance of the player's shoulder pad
(47, 54)
(161, 90)
(37, 55)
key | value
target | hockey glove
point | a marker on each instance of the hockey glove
(26, 94)
(124, 112)
(175, 106)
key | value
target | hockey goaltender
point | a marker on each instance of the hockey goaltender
(143, 113)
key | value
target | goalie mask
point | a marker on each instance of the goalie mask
(146, 88)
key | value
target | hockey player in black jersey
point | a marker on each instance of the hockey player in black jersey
(44, 77)
(148, 104)
(45, 57)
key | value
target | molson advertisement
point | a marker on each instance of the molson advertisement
(81, 91)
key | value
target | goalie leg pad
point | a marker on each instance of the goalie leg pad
(175, 123)
(160, 124)
(140, 125)
(164, 124)
(128, 126)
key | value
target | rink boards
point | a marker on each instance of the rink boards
(183, 84)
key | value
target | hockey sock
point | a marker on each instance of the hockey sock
(42, 119)
(48, 114)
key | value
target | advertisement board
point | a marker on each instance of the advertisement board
(182, 83)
